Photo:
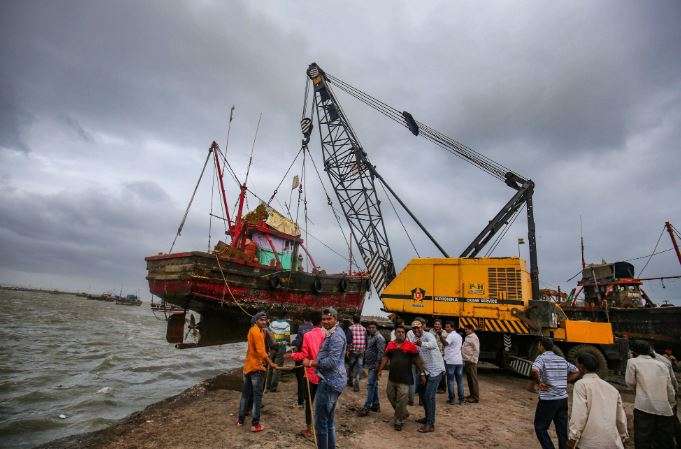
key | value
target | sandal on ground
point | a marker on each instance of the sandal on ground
(257, 428)
(426, 429)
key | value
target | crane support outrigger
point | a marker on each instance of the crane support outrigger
(495, 294)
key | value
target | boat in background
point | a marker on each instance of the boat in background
(129, 300)
(613, 293)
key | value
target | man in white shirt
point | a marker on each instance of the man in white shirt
(434, 369)
(598, 420)
(453, 362)
(470, 351)
(653, 406)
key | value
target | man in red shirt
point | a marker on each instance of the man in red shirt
(402, 355)
(312, 341)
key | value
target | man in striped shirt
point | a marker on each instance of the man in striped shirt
(551, 374)
(356, 350)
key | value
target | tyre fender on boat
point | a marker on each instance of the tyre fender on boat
(343, 284)
(317, 285)
(275, 281)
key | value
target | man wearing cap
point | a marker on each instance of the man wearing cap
(333, 378)
(254, 369)
(434, 370)
(470, 353)
(551, 374)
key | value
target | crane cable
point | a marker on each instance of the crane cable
(400, 220)
(443, 141)
(501, 236)
(329, 203)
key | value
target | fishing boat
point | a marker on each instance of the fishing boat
(128, 300)
(612, 292)
(259, 267)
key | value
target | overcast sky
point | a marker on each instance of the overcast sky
(107, 110)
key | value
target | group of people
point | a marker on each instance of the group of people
(597, 419)
(330, 357)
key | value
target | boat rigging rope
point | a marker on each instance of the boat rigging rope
(651, 255)
(186, 211)
(250, 158)
(283, 178)
(400, 220)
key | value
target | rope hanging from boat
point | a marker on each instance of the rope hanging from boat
(229, 289)
(191, 200)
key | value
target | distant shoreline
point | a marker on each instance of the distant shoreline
(38, 290)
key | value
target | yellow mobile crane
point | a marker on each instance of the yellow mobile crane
(495, 294)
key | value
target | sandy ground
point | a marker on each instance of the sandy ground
(205, 415)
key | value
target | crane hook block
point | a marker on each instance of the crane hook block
(411, 123)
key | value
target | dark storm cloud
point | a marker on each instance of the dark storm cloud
(12, 120)
(118, 102)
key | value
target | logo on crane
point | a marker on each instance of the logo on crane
(417, 294)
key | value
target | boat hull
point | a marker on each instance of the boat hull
(226, 292)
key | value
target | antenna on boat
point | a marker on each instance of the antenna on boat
(581, 241)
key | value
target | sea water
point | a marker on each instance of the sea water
(70, 365)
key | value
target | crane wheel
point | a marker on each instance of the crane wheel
(574, 352)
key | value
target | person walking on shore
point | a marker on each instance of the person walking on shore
(372, 358)
(598, 420)
(356, 351)
(312, 341)
(470, 352)
(254, 371)
(330, 366)
(655, 398)
(402, 355)
(434, 369)
(453, 363)
(551, 374)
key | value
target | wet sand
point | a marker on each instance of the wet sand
(204, 416)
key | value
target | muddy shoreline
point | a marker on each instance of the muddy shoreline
(203, 416)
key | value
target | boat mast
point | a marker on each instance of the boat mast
(215, 148)
(670, 230)
(238, 220)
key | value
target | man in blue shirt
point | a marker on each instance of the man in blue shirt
(331, 370)
(551, 374)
